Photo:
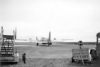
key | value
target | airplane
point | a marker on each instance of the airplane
(44, 41)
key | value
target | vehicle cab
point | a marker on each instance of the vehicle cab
(98, 45)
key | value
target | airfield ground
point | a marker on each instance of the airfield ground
(56, 55)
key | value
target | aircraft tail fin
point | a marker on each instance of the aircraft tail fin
(37, 38)
(49, 37)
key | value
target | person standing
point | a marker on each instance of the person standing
(24, 58)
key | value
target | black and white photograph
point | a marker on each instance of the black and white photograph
(49, 33)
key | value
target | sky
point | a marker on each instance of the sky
(66, 19)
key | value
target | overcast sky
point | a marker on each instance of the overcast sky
(66, 19)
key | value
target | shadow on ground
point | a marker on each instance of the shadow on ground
(50, 62)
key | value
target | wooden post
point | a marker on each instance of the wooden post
(83, 61)
(80, 43)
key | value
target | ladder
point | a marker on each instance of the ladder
(7, 52)
(7, 46)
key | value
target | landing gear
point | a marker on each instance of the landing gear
(49, 44)
(37, 44)
(72, 60)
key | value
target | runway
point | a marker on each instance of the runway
(56, 55)
(53, 51)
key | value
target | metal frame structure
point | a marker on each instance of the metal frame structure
(7, 52)
(81, 54)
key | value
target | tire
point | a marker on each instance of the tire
(72, 60)
(37, 44)
(90, 62)
(49, 44)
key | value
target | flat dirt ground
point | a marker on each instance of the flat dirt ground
(56, 55)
